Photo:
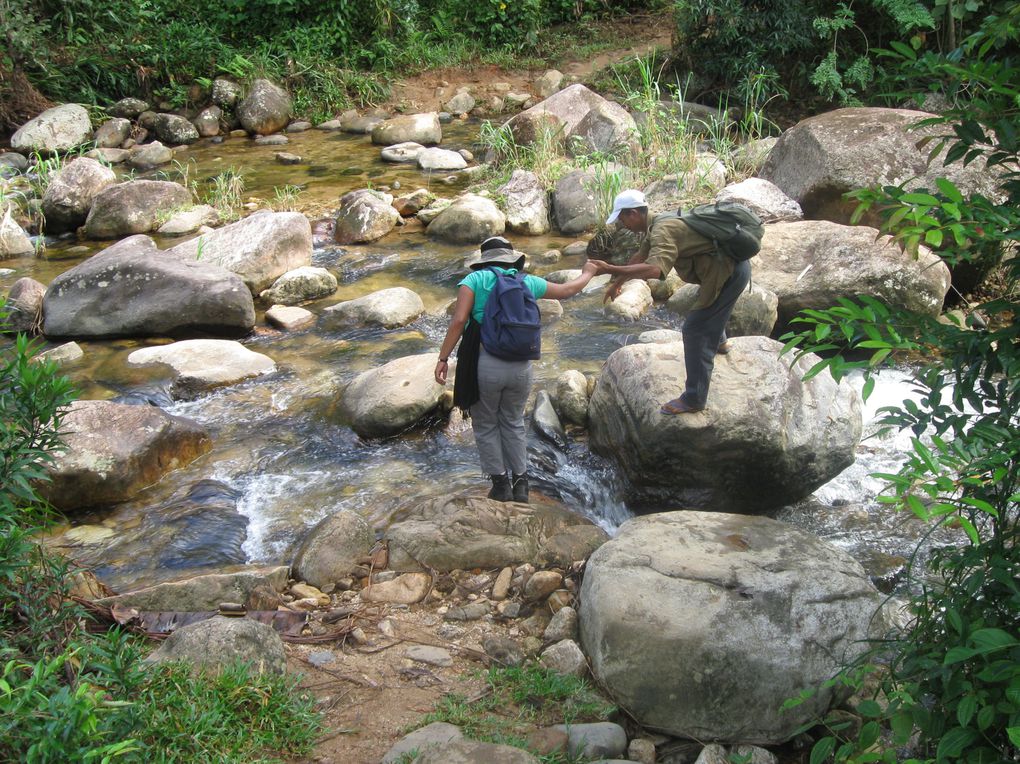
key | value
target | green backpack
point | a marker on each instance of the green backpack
(735, 230)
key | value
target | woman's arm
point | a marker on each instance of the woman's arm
(461, 314)
(572, 287)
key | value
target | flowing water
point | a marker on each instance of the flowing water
(282, 459)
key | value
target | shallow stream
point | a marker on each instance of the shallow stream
(281, 458)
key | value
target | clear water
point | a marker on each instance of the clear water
(282, 460)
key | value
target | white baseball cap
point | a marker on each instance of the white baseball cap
(626, 200)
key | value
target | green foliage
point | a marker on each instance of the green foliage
(951, 689)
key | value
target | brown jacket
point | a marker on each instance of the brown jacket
(671, 244)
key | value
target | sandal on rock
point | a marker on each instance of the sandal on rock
(678, 406)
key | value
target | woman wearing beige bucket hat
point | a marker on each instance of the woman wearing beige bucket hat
(495, 390)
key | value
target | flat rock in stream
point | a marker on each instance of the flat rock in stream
(198, 366)
(205, 592)
(465, 532)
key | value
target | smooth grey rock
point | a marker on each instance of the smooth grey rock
(364, 216)
(546, 422)
(474, 752)
(24, 307)
(61, 128)
(266, 109)
(734, 615)
(766, 439)
(331, 549)
(419, 128)
(150, 155)
(175, 130)
(387, 400)
(469, 219)
(207, 123)
(570, 398)
(433, 656)
(113, 450)
(562, 626)
(67, 352)
(399, 153)
(573, 202)
(526, 204)
(566, 658)
(596, 739)
(436, 159)
(199, 366)
(289, 318)
(299, 285)
(14, 242)
(422, 739)
(133, 207)
(763, 198)
(112, 133)
(219, 641)
(389, 308)
(190, 220)
(259, 248)
(755, 313)
(204, 592)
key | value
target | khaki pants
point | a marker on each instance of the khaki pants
(498, 417)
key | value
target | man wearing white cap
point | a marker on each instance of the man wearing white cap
(671, 244)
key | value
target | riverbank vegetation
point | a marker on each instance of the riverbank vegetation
(949, 686)
(71, 691)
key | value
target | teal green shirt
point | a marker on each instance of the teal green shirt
(482, 281)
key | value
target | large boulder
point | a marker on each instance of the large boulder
(701, 624)
(470, 219)
(409, 128)
(218, 642)
(393, 397)
(810, 264)
(766, 439)
(389, 308)
(24, 307)
(606, 129)
(364, 216)
(299, 285)
(198, 366)
(821, 158)
(755, 312)
(562, 114)
(136, 206)
(205, 592)
(266, 109)
(573, 202)
(61, 128)
(113, 450)
(465, 532)
(69, 196)
(526, 203)
(332, 548)
(259, 248)
(133, 289)
(175, 130)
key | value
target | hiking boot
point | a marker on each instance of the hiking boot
(500, 488)
(520, 483)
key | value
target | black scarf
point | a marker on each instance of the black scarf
(465, 381)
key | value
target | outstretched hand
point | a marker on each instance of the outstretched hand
(613, 289)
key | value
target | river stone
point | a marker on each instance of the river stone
(465, 751)
(332, 548)
(112, 133)
(175, 130)
(69, 196)
(464, 532)
(364, 216)
(389, 308)
(225, 93)
(558, 115)
(437, 159)
(812, 263)
(820, 159)
(766, 439)
(562, 626)
(526, 203)
(289, 318)
(207, 123)
(573, 202)
(734, 616)
(406, 589)
(570, 398)
(24, 307)
(259, 248)
(188, 221)
(113, 450)
(660, 336)
(469, 219)
(595, 740)
(417, 128)
(764, 198)
(205, 592)
(541, 584)
(134, 289)
(420, 740)
(402, 153)
(199, 366)
(546, 421)
(66, 352)
(14, 242)
(61, 128)
(564, 658)
(299, 285)
(461, 103)
(391, 398)
(606, 129)
(360, 124)
(219, 641)
(755, 312)
(128, 108)
(548, 83)
(265, 110)
(136, 206)
(149, 155)
(109, 156)
(271, 140)
(634, 301)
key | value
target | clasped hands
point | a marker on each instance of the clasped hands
(613, 287)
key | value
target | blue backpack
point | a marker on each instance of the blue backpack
(511, 323)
